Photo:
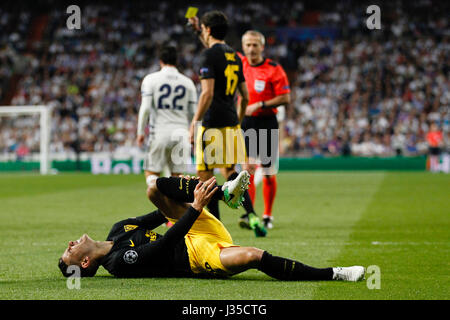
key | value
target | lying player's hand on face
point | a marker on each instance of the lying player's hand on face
(203, 193)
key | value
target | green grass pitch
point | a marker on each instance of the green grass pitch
(398, 221)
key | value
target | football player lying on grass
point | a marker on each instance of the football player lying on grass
(196, 245)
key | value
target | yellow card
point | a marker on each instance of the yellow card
(191, 12)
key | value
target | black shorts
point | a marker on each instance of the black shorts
(261, 136)
(435, 151)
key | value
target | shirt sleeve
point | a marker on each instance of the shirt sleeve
(146, 103)
(206, 66)
(144, 113)
(146, 88)
(151, 220)
(144, 254)
(280, 81)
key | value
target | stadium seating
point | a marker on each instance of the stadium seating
(357, 91)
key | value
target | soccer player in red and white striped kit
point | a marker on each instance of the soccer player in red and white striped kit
(268, 88)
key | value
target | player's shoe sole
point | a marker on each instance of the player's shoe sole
(233, 191)
(355, 273)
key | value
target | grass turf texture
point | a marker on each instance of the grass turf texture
(397, 221)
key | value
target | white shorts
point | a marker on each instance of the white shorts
(164, 152)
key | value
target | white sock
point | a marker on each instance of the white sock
(150, 178)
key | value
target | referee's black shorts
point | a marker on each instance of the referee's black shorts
(434, 151)
(262, 142)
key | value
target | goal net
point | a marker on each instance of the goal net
(25, 137)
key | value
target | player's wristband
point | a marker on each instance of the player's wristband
(263, 105)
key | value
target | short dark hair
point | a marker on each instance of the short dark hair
(84, 272)
(218, 22)
(168, 55)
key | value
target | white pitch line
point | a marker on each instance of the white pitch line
(356, 243)
(408, 243)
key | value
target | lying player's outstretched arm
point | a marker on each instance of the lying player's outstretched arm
(151, 220)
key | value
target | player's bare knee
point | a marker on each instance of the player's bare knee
(253, 256)
(152, 189)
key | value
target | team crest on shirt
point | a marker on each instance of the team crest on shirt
(203, 71)
(129, 227)
(259, 85)
(130, 256)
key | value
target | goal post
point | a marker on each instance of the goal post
(45, 129)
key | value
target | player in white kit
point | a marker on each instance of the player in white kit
(169, 100)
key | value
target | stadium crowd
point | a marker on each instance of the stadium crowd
(363, 92)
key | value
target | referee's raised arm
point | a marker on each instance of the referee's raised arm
(195, 24)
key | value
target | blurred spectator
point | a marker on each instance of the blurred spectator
(360, 92)
(435, 143)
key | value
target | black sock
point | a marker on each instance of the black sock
(213, 207)
(232, 176)
(247, 204)
(286, 269)
(181, 189)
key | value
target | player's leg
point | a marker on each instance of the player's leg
(151, 175)
(269, 165)
(250, 133)
(170, 208)
(434, 159)
(182, 189)
(177, 161)
(154, 160)
(269, 193)
(251, 166)
(205, 174)
(244, 219)
(172, 174)
(250, 219)
(205, 165)
(240, 259)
